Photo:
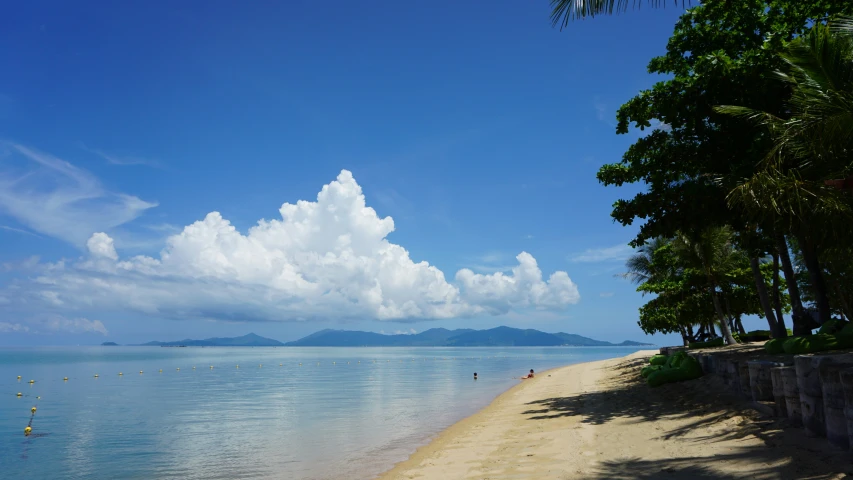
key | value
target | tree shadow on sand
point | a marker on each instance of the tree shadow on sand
(698, 405)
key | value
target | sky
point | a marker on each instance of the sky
(210, 168)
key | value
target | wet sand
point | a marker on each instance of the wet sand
(598, 420)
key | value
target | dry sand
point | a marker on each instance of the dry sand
(599, 421)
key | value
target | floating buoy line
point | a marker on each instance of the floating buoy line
(28, 430)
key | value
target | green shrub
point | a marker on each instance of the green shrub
(757, 336)
(675, 360)
(688, 369)
(843, 340)
(815, 343)
(658, 360)
(847, 330)
(648, 370)
(832, 326)
(717, 342)
(775, 346)
(794, 345)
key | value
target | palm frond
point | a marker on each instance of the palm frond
(562, 11)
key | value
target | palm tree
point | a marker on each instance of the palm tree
(641, 266)
(712, 252)
(562, 11)
(798, 181)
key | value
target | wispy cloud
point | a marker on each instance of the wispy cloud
(115, 159)
(52, 323)
(603, 112)
(615, 253)
(53, 197)
(18, 230)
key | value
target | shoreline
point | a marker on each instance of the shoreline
(598, 420)
(443, 439)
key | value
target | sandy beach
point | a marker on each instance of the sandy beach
(599, 421)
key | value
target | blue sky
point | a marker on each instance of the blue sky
(478, 131)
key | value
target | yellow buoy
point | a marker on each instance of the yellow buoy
(120, 374)
(32, 381)
(178, 368)
(280, 364)
(19, 394)
(33, 409)
(96, 375)
(161, 370)
(300, 364)
(140, 371)
(38, 398)
(211, 366)
(260, 365)
(333, 363)
(19, 377)
(193, 368)
(27, 430)
(65, 378)
(238, 366)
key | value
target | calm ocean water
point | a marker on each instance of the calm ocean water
(345, 413)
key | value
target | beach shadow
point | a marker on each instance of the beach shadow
(628, 396)
(708, 412)
(699, 468)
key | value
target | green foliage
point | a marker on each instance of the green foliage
(775, 346)
(817, 343)
(832, 326)
(688, 368)
(758, 168)
(646, 371)
(658, 360)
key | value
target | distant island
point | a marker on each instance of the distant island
(109, 344)
(442, 337)
(434, 337)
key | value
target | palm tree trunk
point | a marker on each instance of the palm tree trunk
(764, 298)
(777, 297)
(739, 325)
(845, 307)
(817, 279)
(801, 322)
(724, 325)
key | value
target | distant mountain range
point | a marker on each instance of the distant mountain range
(250, 340)
(434, 337)
(442, 337)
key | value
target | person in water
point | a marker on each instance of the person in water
(529, 375)
(475, 375)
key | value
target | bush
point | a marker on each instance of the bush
(674, 361)
(817, 343)
(832, 326)
(755, 336)
(775, 346)
(847, 330)
(688, 369)
(717, 342)
(658, 360)
(646, 371)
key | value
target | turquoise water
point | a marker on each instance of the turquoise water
(343, 413)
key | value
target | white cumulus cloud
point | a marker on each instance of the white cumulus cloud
(324, 259)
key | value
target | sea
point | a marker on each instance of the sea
(238, 413)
